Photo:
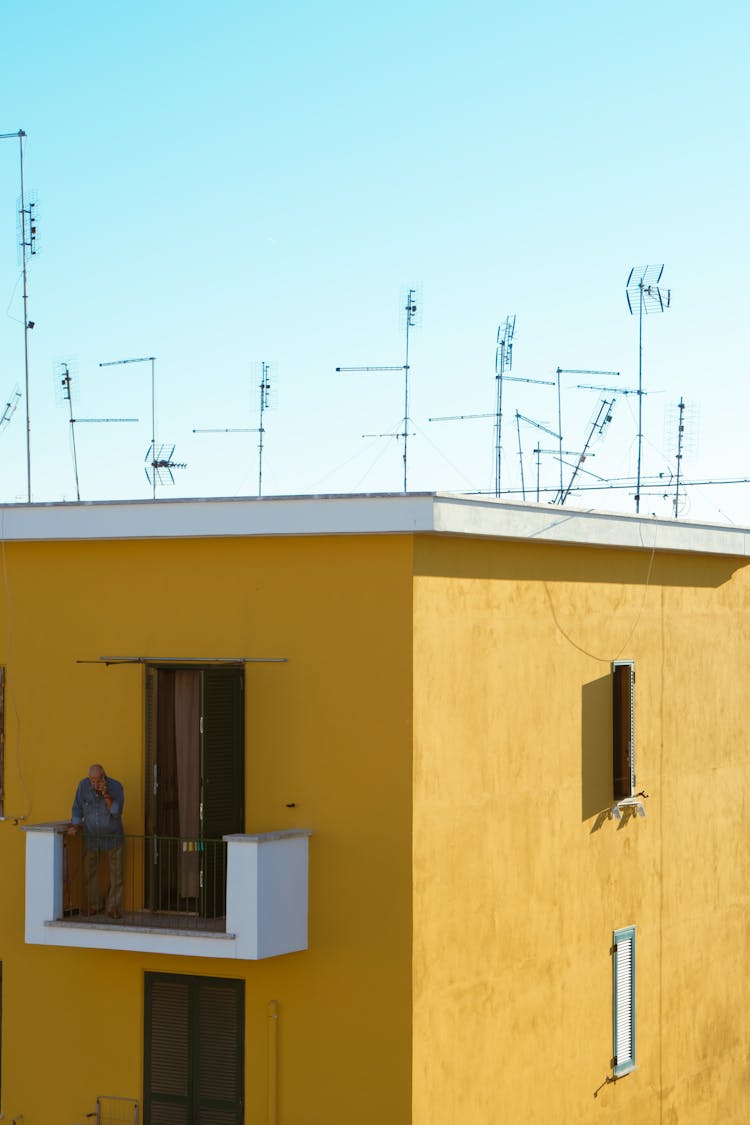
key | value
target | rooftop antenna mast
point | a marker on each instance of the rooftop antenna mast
(545, 429)
(684, 415)
(644, 296)
(27, 244)
(410, 309)
(503, 363)
(603, 418)
(265, 397)
(570, 371)
(66, 385)
(152, 452)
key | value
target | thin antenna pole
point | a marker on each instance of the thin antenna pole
(559, 427)
(520, 454)
(152, 360)
(26, 325)
(153, 424)
(680, 434)
(264, 389)
(640, 396)
(651, 298)
(411, 308)
(21, 136)
(67, 391)
(503, 360)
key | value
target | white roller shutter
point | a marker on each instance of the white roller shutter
(624, 999)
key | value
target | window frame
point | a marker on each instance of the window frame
(623, 1014)
(623, 729)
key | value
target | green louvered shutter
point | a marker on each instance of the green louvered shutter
(623, 728)
(623, 987)
(167, 1042)
(219, 1069)
(194, 1050)
(223, 775)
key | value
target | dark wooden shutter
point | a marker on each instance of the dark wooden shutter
(222, 769)
(223, 753)
(194, 1050)
(623, 728)
(219, 1093)
(167, 1040)
(150, 705)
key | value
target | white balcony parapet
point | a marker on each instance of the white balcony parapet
(266, 908)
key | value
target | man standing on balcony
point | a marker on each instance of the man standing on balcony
(97, 811)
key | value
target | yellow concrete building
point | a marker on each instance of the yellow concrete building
(436, 812)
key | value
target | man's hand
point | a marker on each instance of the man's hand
(73, 830)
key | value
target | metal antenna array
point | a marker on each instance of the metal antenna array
(66, 384)
(27, 243)
(545, 429)
(410, 309)
(644, 296)
(570, 371)
(10, 408)
(503, 363)
(602, 418)
(156, 456)
(265, 395)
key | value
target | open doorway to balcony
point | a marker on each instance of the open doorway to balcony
(194, 784)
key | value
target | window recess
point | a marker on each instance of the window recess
(623, 1000)
(623, 740)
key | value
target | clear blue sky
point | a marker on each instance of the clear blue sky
(220, 186)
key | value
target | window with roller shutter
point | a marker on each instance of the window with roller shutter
(623, 982)
(194, 1050)
(623, 729)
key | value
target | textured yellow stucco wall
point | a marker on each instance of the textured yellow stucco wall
(519, 875)
(329, 731)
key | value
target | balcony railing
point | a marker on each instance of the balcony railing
(243, 896)
(155, 881)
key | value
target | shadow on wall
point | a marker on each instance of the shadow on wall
(550, 562)
(596, 750)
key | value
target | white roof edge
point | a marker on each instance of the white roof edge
(366, 514)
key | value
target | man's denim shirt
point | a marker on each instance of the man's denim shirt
(102, 826)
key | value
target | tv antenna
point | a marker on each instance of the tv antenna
(503, 363)
(265, 401)
(10, 407)
(546, 430)
(66, 386)
(644, 296)
(159, 465)
(602, 419)
(410, 309)
(27, 243)
(152, 449)
(680, 416)
(571, 371)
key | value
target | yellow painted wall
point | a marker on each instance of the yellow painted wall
(520, 877)
(330, 731)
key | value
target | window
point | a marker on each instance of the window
(193, 1050)
(623, 988)
(623, 729)
(194, 778)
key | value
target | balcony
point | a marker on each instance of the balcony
(242, 897)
